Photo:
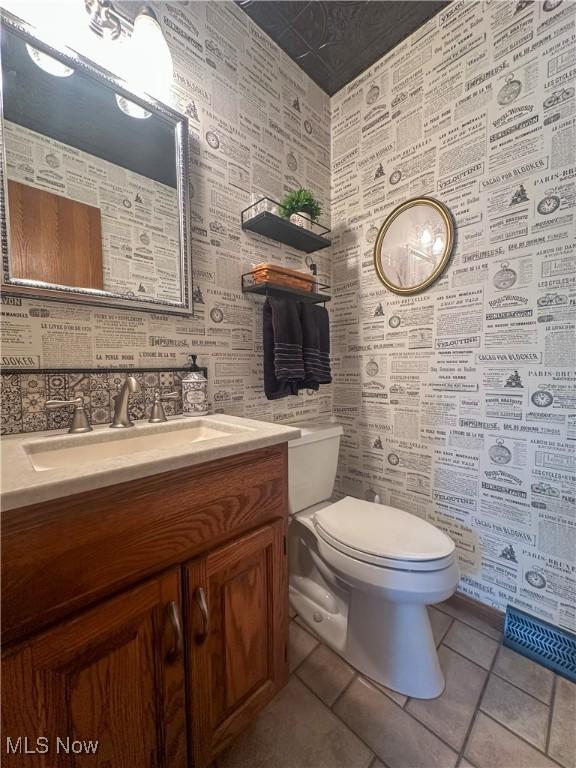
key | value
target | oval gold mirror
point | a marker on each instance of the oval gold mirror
(414, 245)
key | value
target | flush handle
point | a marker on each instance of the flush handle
(174, 618)
(200, 598)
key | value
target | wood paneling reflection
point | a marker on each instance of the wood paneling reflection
(54, 239)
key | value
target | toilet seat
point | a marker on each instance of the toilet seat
(383, 536)
(385, 562)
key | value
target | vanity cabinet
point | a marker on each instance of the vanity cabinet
(156, 624)
(236, 602)
(114, 675)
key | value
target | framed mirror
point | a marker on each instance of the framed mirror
(414, 245)
(94, 181)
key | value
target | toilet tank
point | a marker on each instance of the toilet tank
(312, 463)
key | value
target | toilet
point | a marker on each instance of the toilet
(362, 573)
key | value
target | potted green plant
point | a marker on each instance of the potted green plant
(301, 207)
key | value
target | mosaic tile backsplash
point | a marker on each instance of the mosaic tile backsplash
(24, 396)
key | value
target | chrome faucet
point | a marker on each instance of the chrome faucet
(121, 418)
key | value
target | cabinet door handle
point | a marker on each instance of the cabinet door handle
(200, 598)
(174, 618)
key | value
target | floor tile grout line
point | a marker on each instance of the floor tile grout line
(459, 653)
(478, 629)
(477, 708)
(320, 643)
(461, 757)
(409, 714)
(385, 692)
(551, 713)
(492, 671)
(297, 667)
(536, 749)
(310, 652)
(302, 680)
(468, 624)
(343, 691)
(457, 750)
(474, 629)
(445, 633)
(509, 728)
(506, 680)
(375, 756)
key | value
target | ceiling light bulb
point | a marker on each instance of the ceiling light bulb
(438, 246)
(49, 63)
(148, 62)
(426, 237)
(131, 109)
(56, 25)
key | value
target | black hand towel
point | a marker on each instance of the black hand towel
(283, 361)
(316, 345)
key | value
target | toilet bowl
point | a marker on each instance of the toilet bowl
(362, 574)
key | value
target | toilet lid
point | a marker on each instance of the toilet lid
(382, 531)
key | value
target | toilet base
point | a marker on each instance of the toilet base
(390, 643)
(329, 627)
(393, 644)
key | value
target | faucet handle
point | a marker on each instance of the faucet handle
(52, 405)
(157, 415)
(80, 421)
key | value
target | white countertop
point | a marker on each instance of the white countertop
(22, 484)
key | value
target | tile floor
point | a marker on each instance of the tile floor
(499, 710)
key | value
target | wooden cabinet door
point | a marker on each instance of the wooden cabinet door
(113, 675)
(237, 606)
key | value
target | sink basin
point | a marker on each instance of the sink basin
(40, 467)
(75, 450)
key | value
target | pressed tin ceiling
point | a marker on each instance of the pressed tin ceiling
(334, 41)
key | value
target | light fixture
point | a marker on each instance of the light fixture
(97, 30)
(104, 21)
(101, 36)
(48, 63)
(131, 109)
(438, 246)
(148, 66)
(69, 24)
(426, 237)
(54, 27)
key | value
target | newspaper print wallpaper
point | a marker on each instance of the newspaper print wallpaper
(459, 403)
(271, 125)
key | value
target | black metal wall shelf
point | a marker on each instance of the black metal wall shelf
(258, 218)
(319, 296)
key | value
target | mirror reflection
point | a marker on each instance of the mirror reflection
(413, 245)
(94, 203)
